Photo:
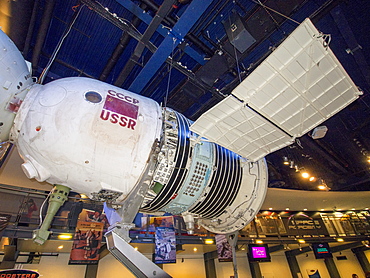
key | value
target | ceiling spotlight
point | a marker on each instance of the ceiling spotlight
(305, 175)
(195, 249)
(340, 239)
(322, 185)
(259, 241)
(60, 247)
(301, 240)
(285, 160)
(291, 166)
(296, 168)
(312, 179)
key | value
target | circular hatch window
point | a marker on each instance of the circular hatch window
(93, 97)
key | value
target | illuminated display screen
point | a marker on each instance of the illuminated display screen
(321, 250)
(259, 253)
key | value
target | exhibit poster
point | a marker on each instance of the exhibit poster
(87, 238)
(165, 240)
(224, 250)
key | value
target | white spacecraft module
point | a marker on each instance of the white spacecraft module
(106, 142)
(96, 139)
(15, 79)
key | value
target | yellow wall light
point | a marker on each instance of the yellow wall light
(65, 236)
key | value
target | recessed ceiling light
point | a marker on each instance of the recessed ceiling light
(65, 236)
(195, 249)
(60, 247)
(270, 208)
(208, 241)
(305, 209)
(287, 209)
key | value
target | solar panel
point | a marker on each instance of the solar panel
(233, 125)
(299, 86)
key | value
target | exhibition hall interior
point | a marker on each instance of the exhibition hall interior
(185, 138)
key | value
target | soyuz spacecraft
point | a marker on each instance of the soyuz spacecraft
(126, 150)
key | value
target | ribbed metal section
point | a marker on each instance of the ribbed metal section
(179, 173)
(224, 184)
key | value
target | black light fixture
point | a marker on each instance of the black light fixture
(322, 185)
(366, 243)
(285, 160)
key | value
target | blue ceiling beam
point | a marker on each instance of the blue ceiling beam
(147, 19)
(182, 27)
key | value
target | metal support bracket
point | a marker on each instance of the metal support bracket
(232, 239)
(136, 262)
